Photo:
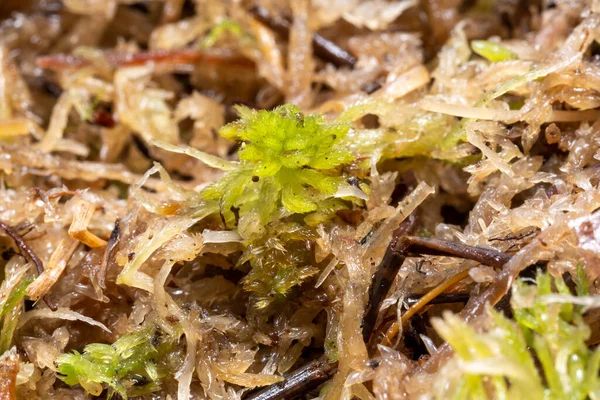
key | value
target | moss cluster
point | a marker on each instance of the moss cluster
(288, 164)
(127, 367)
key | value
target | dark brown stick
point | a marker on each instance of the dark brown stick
(380, 286)
(439, 247)
(395, 255)
(29, 254)
(444, 298)
(322, 47)
(530, 232)
(384, 276)
(298, 382)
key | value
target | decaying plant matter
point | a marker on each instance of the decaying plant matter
(217, 199)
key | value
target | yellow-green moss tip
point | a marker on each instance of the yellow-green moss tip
(287, 160)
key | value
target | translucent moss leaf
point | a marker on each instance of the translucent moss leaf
(458, 131)
(326, 211)
(422, 134)
(286, 278)
(15, 296)
(336, 157)
(492, 51)
(9, 325)
(103, 352)
(10, 312)
(373, 106)
(228, 190)
(206, 158)
(77, 369)
(269, 194)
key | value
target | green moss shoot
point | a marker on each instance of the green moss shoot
(127, 367)
(287, 160)
(503, 361)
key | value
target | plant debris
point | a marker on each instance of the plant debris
(267, 200)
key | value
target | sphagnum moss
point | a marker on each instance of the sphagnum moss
(542, 354)
(287, 160)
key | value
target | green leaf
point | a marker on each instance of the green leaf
(492, 51)
(287, 160)
(10, 313)
(15, 296)
(269, 196)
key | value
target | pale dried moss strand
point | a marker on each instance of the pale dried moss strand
(61, 313)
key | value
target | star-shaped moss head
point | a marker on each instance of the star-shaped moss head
(286, 158)
(284, 138)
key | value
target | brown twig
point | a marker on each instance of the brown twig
(298, 382)
(29, 254)
(111, 247)
(439, 247)
(444, 298)
(322, 47)
(380, 285)
(384, 277)
(530, 232)
(399, 249)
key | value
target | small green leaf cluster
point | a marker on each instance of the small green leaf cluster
(127, 367)
(289, 163)
(492, 51)
(502, 362)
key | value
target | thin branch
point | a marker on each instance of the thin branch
(380, 286)
(29, 254)
(384, 277)
(444, 298)
(397, 251)
(298, 383)
(439, 247)
(322, 47)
